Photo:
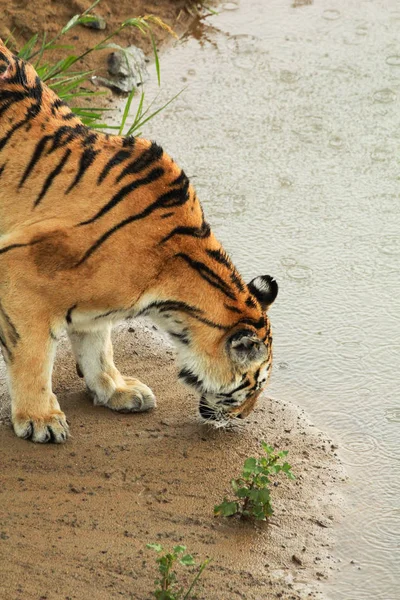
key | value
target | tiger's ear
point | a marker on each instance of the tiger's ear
(245, 347)
(265, 289)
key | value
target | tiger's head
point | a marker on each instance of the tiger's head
(240, 366)
(226, 365)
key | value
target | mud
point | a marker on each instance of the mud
(75, 519)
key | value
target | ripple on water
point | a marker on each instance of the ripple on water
(375, 581)
(331, 14)
(309, 127)
(380, 154)
(362, 29)
(393, 414)
(359, 449)
(383, 530)
(299, 273)
(389, 244)
(350, 342)
(385, 96)
(289, 77)
(393, 60)
(338, 421)
(288, 261)
(335, 142)
(229, 6)
(246, 49)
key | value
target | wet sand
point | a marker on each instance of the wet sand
(75, 519)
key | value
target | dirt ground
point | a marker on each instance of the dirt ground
(75, 519)
(20, 20)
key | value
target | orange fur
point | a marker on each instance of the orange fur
(95, 228)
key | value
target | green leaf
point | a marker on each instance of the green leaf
(250, 465)
(156, 547)
(268, 449)
(187, 560)
(264, 496)
(242, 492)
(26, 50)
(179, 549)
(71, 23)
(226, 509)
(258, 512)
(156, 60)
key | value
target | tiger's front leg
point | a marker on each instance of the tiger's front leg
(94, 356)
(29, 349)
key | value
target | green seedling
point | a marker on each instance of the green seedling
(252, 488)
(167, 586)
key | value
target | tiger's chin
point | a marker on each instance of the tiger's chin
(218, 418)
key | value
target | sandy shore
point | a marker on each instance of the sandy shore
(75, 519)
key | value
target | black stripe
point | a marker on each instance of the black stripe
(190, 379)
(19, 74)
(251, 302)
(128, 189)
(12, 331)
(12, 246)
(50, 178)
(242, 386)
(145, 160)
(68, 316)
(66, 134)
(56, 105)
(175, 197)
(6, 138)
(2, 168)
(5, 58)
(114, 161)
(128, 142)
(201, 232)
(40, 147)
(32, 111)
(207, 274)
(256, 324)
(181, 179)
(7, 354)
(87, 159)
(175, 305)
(90, 138)
(233, 308)
(166, 215)
(182, 337)
(221, 257)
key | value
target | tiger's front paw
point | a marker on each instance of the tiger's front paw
(42, 429)
(134, 396)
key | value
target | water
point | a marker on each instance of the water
(290, 130)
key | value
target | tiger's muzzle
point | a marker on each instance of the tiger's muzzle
(220, 411)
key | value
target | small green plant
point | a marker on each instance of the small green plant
(252, 488)
(168, 587)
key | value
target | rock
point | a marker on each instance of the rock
(96, 22)
(127, 69)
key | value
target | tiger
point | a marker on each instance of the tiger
(97, 228)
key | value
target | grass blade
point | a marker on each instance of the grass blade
(157, 62)
(140, 123)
